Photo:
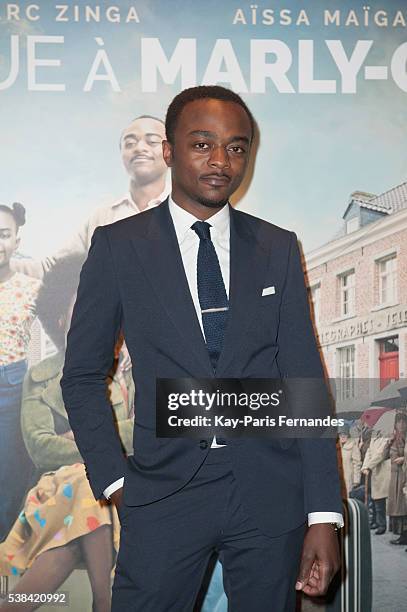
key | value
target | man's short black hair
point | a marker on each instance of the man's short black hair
(202, 92)
(147, 117)
(55, 295)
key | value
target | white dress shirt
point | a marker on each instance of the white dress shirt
(188, 241)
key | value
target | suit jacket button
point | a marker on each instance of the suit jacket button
(203, 444)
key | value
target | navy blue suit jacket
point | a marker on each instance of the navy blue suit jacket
(133, 279)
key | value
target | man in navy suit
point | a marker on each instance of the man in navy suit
(201, 290)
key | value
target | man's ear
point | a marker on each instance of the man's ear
(167, 152)
(18, 239)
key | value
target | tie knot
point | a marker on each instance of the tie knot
(203, 229)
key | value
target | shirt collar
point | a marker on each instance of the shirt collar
(154, 201)
(182, 219)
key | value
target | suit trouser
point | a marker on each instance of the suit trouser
(165, 547)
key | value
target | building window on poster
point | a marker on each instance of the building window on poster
(389, 345)
(346, 283)
(346, 372)
(386, 271)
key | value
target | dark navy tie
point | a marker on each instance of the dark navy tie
(212, 295)
(211, 292)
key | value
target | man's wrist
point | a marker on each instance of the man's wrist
(117, 484)
(334, 518)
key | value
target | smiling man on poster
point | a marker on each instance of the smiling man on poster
(187, 282)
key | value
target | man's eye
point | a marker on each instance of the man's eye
(153, 143)
(201, 146)
(237, 149)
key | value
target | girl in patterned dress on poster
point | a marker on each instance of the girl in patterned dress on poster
(61, 526)
(18, 294)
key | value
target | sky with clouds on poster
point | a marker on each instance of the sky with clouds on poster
(59, 149)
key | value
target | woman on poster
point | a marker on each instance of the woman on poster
(18, 294)
(61, 526)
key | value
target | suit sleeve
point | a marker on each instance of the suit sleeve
(95, 326)
(298, 357)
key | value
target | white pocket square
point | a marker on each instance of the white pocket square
(268, 290)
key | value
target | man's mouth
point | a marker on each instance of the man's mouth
(215, 180)
(141, 159)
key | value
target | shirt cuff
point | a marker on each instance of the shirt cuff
(117, 484)
(325, 517)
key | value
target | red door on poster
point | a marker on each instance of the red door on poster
(389, 367)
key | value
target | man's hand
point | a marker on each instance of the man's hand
(320, 559)
(116, 498)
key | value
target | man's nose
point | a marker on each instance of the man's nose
(219, 158)
(141, 145)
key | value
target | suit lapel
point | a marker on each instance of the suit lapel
(161, 258)
(248, 267)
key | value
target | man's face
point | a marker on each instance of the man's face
(210, 152)
(141, 150)
(343, 437)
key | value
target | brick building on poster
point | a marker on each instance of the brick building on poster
(358, 289)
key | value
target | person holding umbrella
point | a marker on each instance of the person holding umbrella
(351, 459)
(377, 466)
